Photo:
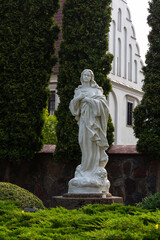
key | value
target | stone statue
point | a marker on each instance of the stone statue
(89, 106)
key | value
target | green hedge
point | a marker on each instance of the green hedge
(28, 32)
(85, 43)
(147, 114)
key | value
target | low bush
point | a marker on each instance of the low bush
(114, 222)
(49, 129)
(152, 202)
(25, 198)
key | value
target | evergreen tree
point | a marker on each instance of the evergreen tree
(27, 54)
(85, 43)
(147, 114)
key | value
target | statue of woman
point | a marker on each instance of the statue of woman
(89, 106)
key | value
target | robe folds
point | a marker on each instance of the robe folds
(89, 106)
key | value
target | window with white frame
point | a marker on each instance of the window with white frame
(131, 103)
(51, 103)
(129, 113)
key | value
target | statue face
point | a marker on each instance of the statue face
(87, 76)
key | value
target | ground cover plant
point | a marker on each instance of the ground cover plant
(25, 198)
(113, 222)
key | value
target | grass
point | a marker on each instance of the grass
(113, 222)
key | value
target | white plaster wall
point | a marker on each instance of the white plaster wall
(124, 88)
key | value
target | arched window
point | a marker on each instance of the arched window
(137, 47)
(119, 26)
(125, 52)
(135, 71)
(133, 32)
(114, 47)
(130, 63)
(119, 58)
(128, 14)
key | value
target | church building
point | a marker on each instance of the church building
(126, 74)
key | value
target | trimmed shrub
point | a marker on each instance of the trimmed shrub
(28, 33)
(84, 45)
(25, 198)
(147, 114)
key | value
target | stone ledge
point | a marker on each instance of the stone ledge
(75, 203)
(48, 149)
(115, 149)
(123, 149)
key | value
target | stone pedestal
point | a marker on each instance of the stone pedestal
(75, 201)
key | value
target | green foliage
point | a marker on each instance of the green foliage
(28, 32)
(110, 131)
(92, 222)
(13, 192)
(147, 114)
(49, 131)
(84, 45)
(152, 202)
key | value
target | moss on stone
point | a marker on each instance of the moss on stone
(9, 191)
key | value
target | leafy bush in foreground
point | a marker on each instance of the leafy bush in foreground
(48, 130)
(152, 202)
(114, 222)
(25, 198)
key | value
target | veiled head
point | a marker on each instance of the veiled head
(88, 72)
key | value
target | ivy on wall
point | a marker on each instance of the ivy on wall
(85, 43)
(28, 33)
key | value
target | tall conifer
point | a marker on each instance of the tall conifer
(84, 45)
(147, 114)
(27, 56)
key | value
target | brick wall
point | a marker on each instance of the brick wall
(132, 176)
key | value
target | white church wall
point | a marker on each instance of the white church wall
(126, 75)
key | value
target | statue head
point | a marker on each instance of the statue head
(90, 72)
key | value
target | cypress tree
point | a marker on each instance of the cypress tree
(85, 30)
(27, 54)
(147, 114)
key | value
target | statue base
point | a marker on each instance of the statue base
(75, 201)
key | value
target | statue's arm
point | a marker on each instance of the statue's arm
(74, 105)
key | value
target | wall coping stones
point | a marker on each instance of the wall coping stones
(115, 149)
(123, 149)
(48, 149)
